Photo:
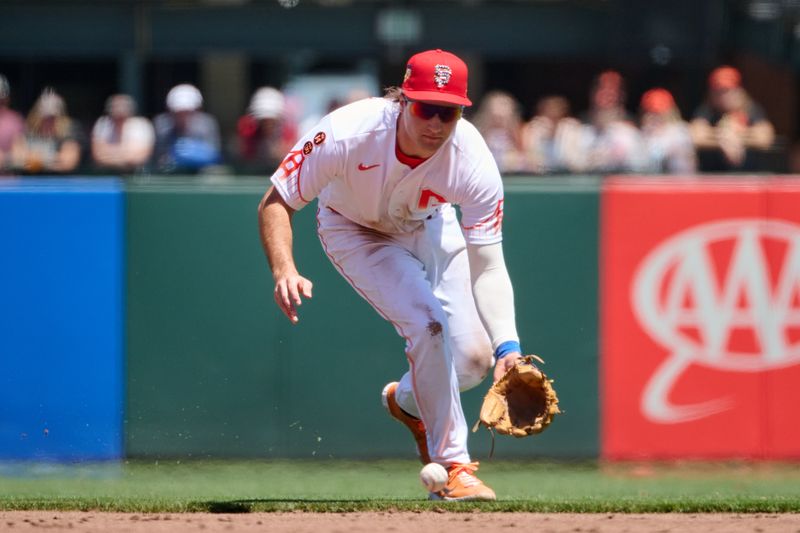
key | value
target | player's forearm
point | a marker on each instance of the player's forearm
(275, 228)
(493, 293)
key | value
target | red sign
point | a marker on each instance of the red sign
(700, 318)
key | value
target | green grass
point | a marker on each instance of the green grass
(339, 486)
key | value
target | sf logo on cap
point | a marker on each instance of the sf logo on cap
(442, 76)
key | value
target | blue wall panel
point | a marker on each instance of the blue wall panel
(61, 319)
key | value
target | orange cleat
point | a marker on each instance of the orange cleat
(462, 485)
(414, 424)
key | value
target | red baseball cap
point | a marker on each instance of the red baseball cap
(436, 76)
(725, 78)
(657, 100)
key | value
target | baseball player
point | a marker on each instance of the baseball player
(387, 172)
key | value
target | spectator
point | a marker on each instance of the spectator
(52, 141)
(121, 141)
(550, 137)
(356, 94)
(610, 141)
(666, 136)
(12, 127)
(729, 126)
(499, 121)
(187, 139)
(793, 158)
(265, 134)
(340, 97)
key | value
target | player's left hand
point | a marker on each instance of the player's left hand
(505, 364)
(523, 402)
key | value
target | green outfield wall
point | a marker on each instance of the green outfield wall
(214, 370)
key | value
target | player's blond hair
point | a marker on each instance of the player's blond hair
(394, 93)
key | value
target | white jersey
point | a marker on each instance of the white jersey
(349, 162)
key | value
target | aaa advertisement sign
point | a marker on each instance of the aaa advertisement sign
(700, 318)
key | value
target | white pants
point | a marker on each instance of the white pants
(420, 283)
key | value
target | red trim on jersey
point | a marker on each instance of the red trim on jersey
(409, 160)
(409, 343)
(399, 329)
(293, 162)
(299, 190)
(414, 386)
(425, 197)
(496, 219)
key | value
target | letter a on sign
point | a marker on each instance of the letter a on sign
(701, 318)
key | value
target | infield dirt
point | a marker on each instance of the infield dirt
(299, 522)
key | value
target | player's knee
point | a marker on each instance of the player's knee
(473, 369)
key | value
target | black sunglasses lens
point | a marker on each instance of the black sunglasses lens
(428, 111)
(447, 114)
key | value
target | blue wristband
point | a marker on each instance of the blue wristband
(506, 348)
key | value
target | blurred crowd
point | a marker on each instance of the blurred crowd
(183, 139)
(722, 135)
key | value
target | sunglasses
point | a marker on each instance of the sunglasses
(428, 111)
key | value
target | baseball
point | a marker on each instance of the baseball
(433, 477)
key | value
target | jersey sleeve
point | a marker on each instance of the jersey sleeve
(308, 167)
(482, 204)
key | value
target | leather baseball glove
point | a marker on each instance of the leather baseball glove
(523, 402)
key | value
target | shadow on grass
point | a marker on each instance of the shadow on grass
(311, 505)
(716, 505)
(709, 504)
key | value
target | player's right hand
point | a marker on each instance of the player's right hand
(288, 290)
